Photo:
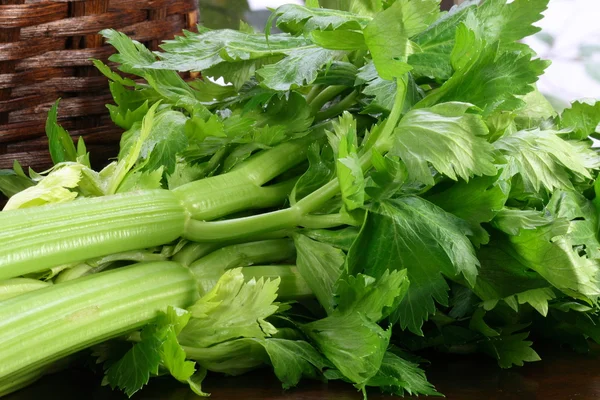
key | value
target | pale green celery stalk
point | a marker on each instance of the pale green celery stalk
(37, 238)
(96, 265)
(233, 357)
(291, 217)
(209, 268)
(136, 255)
(242, 188)
(221, 195)
(299, 213)
(99, 264)
(18, 286)
(43, 326)
(73, 273)
(193, 251)
(291, 287)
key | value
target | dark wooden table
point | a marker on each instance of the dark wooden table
(561, 375)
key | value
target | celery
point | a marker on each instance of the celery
(38, 238)
(16, 286)
(45, 325)
(209, 268)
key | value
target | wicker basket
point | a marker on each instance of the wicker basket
(45, 52)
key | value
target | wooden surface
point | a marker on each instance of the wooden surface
(561, 375)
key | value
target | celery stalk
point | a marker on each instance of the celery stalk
(34, 239)
(45, 325)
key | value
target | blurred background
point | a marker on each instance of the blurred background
(570, 38)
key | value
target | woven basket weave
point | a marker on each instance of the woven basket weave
(45, 52)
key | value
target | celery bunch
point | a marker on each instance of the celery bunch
(371, 182)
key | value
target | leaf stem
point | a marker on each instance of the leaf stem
(316, 89)
(326, 95)
(381, 139)
(338, 108)
(209, 268)
(323, 221)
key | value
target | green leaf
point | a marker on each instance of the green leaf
(132, 144)
(293, 359)
(337, 73)
(478, 324)
(12, 183)
(582, 119)
(142, 180)
(289, 111)
(399, 377)
(197, 128)
(511, 221)
(476, 202)
(510, 22)
(411, 233)
(136, 59)
(297, 19)
(389, 176)
(195, 382)
(167, 137)
(349, 171)
(132, 105)
(387, 36)
(270, 135)
(339, 40)
(536, 112)
(239, 73)
(544, 160)
(172, 356)
(133, 371)
(583, 218)
(384, 91)
(340, 238)
(158, 346)
(52, 188)
(232, 309)
(446, 136)
(374, 298)
(432, 56)
(549, 251)
(537, 298)
(201, 51)
(353, 343)
(510, 350)
(499, 21)
(185, 173)
(61, 145)
(475, 61)
(112, 75)
(321, 169)
(299, 68)
(125, 117)
(320, 265)
(502, 273)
